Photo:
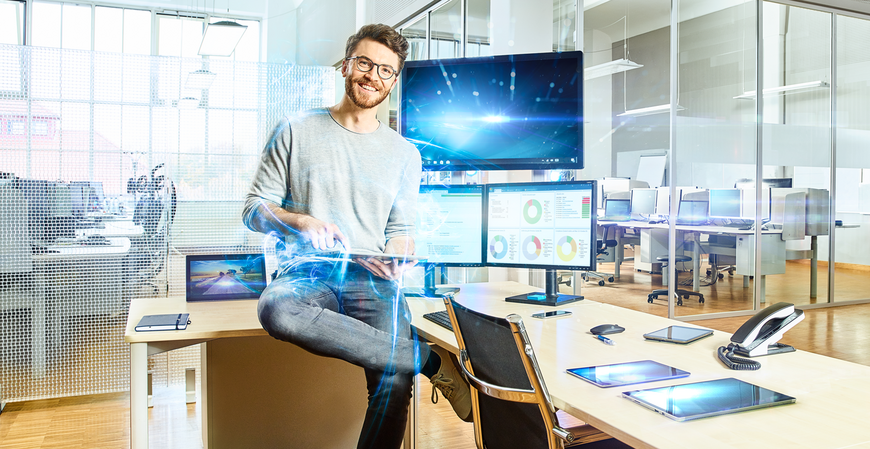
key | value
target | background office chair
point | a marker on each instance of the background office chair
(602, 246)
(155, 212)
(678, 292)
(514, 409)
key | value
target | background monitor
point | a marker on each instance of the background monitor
(643, 201)
(541, 225)
(725, 203)
(692, 210)
(96, 199)
(449, 225)
(748, 201)
(616, 207)
(513, 112)
(79, 194)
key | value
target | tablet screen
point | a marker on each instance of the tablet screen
(709, 398)
(678, 334)
(627, 373)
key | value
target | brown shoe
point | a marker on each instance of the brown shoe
(452, 384)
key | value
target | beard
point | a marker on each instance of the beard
(364, 103)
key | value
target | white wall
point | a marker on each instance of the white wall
(323, 27)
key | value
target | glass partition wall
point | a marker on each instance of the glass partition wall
(768, 181)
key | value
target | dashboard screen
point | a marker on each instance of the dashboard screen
(449, 224)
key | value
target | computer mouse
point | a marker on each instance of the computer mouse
(604, 329)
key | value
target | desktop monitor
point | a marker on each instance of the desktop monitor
(511, 112)
(36, 193)
(692, 212)
(617, 207)
(643, 201)
(725, 203)
(748, 201)
(79, 194)
(449, 230)
(541, 225)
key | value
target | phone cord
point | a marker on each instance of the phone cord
(726, 355)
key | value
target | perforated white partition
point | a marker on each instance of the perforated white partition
(113, 167)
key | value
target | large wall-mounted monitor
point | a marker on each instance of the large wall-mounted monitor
(541, 225)
(516, 112)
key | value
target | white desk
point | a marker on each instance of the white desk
(113, 228)
(832, 395)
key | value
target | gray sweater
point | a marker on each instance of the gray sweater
(366, 184)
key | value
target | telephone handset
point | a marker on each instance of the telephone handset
(759, 336)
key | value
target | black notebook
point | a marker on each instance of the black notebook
(170, 322)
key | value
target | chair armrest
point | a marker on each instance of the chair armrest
(496, 391)
(584, 434)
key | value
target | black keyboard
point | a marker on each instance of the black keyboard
(440, 318)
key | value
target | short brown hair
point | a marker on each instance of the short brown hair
(381, 34)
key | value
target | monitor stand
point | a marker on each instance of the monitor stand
(429, 290)
(549, 298)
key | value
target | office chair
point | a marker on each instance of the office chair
(678, 292)
(601, 249)
(510, 403)
(155, 212)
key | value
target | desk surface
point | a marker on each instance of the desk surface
(118, 246)
(832, 395)
(705, 229)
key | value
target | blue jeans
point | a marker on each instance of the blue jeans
(343, 311)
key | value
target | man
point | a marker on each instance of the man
(339, 176)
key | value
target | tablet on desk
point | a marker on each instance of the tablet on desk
(678, 334)
(627, 373)
(363, 254)
(708, 398)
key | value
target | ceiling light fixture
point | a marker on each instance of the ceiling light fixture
(221, 38)
(649, 111)
(610, 68)
(200, 79)
(792, 88)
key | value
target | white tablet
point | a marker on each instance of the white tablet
(627, 373)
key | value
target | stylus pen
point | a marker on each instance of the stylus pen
(605, 339)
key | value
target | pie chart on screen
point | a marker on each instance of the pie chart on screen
(498, 246)
(535, 243)
(532, 211)
(560, 248)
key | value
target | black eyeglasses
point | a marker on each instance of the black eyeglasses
(364, 64)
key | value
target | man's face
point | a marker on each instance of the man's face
(366, 89)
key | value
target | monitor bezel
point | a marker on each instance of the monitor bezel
(593, 234)
(261, 261)
(448, 187)
(500, 164)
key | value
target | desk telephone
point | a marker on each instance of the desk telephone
(759, 336)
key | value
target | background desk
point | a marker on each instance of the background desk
(832, 395)
(256, 391)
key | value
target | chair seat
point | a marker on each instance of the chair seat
(677, 258)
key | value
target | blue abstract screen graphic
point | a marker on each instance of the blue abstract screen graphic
(495, 113)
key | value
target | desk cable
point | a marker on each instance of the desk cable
(726, 355)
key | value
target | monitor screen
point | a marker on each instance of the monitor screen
(692, 210)
(643, 201)
(512, 112)
(79, 193)
(97, 197)
(616, 207)
(541, 225)
(725, 203)
(225, 276)
(449, 225)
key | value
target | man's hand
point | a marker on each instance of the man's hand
(391, 269)
(322, 235)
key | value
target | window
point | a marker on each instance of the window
(11, 22)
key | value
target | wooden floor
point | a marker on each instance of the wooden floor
(102, 421)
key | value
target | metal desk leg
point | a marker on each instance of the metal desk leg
(620, 251)
(696, 264)
(139, 395)
(814, 266)
(411, 426)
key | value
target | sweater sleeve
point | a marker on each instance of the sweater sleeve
(271, 179)
(403, 214)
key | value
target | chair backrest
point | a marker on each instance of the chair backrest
(495, 357)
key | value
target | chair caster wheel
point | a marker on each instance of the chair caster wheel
(601, 283)
(679, 302)
(721, 276)
(610, 279)
(701, 300)
(649, 300)
(709, 272)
